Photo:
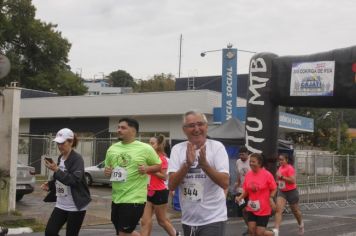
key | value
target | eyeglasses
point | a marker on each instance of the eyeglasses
(192, 125)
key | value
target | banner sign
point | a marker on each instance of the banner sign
(229, 84)
(312, 79)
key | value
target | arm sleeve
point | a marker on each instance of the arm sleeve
(174, 163)
(221, 161)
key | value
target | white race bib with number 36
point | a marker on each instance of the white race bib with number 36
(193, 191)
(118, 174)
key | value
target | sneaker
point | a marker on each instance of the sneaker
(245, 233)
(301, 229)
(178, 233)
(275, 232)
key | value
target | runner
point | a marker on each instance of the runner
(242, 167)
(128, 162)
(260, 188)
(68, 187)
(200, 167)
(157, 197)
(287, 192)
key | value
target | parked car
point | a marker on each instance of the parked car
(26, 180)
(95, 174)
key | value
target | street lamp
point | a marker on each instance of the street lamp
(228, 81)
(202, 54)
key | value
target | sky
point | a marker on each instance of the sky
(142, 37)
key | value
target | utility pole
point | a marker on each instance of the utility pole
(180, 54)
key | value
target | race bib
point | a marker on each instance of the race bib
(281, 184)
(193, 191)
(61, 189)
(118, 174)
(254, 205)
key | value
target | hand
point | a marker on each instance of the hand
(238, 199)
(278, 174)
(142, 169)
(108, 171)
(202, 157)
(44, 186)
(51, 165)
(190, 154)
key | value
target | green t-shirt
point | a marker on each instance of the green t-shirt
(129, 157)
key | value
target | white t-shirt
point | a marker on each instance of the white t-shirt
(201, 200)
(242, 167)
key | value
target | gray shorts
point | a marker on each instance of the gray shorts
(213, 229)
(291, 196)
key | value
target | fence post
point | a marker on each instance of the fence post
(308, 190)
(328, 188)
(315, 169)
(307, 164)
(333, 168)
(348, 165)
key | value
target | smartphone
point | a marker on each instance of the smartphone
(50, 160)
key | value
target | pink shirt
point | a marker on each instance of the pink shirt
(286, 171)
(155, 182)
(258, 186)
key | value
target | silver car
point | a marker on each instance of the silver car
(26, 180)
(95, 174)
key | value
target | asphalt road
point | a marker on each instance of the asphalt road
(334, 219)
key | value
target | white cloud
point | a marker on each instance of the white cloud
(142, 37)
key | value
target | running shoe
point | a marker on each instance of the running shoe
(178, 233)
(301, 229)
(275, 232)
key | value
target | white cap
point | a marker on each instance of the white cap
(63, 135)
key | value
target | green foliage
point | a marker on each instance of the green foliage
(121, 78)
(159, 82)
(326, 122)
(37, 51)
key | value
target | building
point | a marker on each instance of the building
(101, 87)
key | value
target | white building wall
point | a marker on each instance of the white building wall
(156, 112)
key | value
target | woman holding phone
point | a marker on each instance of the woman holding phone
(72, 194)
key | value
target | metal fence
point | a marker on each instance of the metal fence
(324, 177)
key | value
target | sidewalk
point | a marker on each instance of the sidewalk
(99, 210)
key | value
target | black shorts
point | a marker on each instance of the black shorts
(158, 197)
(125, 216)
(292, 196)
(261, 221)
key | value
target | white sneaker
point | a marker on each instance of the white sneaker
(301, 229)
(275, 232)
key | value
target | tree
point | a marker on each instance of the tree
(121, 78)
(325, 129)
(159, 82)
(37, 52)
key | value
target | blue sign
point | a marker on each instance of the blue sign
(296, 122)
(229, 84)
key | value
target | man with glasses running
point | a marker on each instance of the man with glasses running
(200, 168)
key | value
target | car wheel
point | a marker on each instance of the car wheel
(19, 197)
(88, 179)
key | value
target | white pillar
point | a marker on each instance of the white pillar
(9, 137)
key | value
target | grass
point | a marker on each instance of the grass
(15, 220)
